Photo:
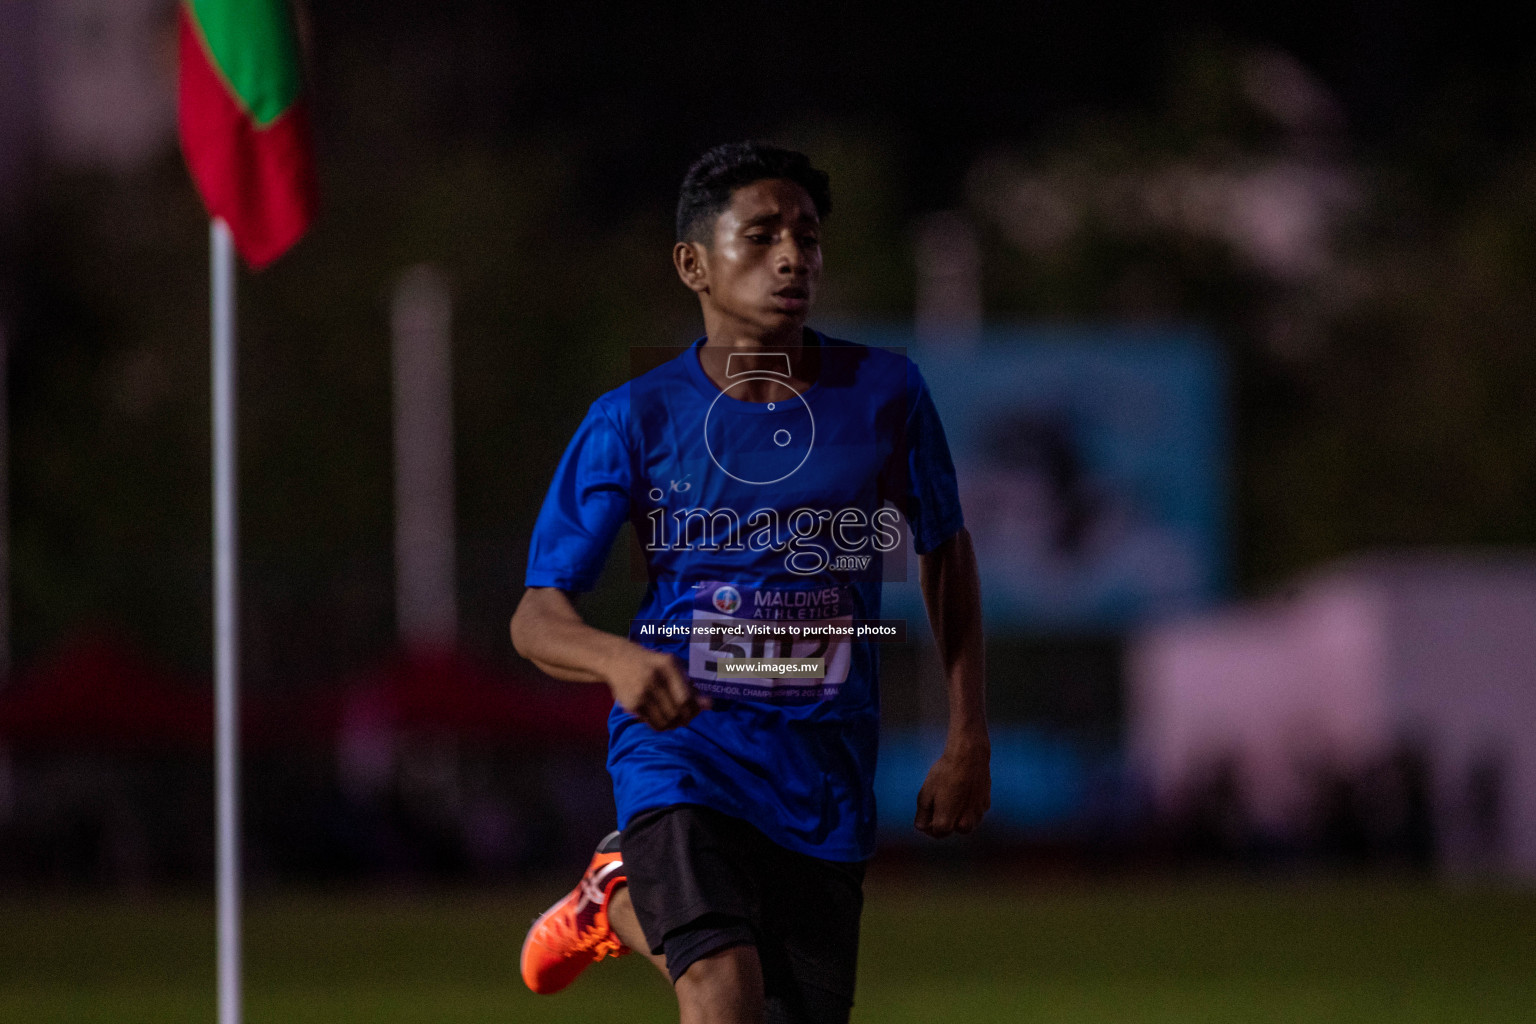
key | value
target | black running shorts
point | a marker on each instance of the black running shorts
(702, 881)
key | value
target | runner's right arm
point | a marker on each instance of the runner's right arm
(651, 685)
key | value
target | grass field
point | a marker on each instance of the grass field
(1183, 952)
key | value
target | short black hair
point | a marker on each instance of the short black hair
(715, 176)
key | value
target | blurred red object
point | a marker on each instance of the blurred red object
(439, 692)
(103, 695)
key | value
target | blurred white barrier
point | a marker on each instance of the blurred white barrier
(1435, 653)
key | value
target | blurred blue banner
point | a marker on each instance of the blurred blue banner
(1043, 782)
(1092, 470)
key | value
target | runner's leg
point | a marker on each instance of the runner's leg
(722, 988)
(621, 917)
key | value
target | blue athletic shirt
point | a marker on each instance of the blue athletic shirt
(746, 513)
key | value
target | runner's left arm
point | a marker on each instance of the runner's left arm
(958, 790)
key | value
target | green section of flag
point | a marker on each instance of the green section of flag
(253, 46)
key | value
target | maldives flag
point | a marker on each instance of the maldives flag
(243, 127)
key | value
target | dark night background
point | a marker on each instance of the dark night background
(533, 153)
(1337, 201)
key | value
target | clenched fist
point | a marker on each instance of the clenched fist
(652, 686)
(958, 790)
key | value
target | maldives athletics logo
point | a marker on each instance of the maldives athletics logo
(727, 599)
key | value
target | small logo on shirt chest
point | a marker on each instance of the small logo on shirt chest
(682, 486)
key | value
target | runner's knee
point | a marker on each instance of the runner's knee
(722, 970)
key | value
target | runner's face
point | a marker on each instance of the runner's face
(764, 261)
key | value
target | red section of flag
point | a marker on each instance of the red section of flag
(260, 181)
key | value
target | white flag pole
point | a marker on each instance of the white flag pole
(426, 608)
(226, 621)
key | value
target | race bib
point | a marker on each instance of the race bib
(795, 645)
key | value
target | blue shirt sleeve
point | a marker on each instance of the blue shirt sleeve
(587, 502)
(930, 498)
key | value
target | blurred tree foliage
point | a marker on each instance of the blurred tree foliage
(1383, 376)
(1376, 305)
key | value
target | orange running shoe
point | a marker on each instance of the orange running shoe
(574, 934)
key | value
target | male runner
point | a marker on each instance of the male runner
(756, 469)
